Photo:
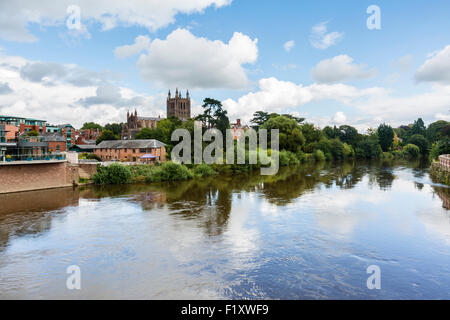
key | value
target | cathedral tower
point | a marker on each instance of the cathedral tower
(178, 106)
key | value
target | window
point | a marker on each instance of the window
(134, 150)
(142, 150)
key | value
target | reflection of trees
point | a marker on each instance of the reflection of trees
(208, 201)
(31, 213)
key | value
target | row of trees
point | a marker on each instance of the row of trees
(304, 140)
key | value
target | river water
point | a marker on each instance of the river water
(307, 233)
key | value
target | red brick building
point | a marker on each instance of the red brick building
(238, 129)
(140, 151)
(56, 142)
(87, 136)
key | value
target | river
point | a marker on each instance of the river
(309, 232)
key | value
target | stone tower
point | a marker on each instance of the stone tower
(178, 106)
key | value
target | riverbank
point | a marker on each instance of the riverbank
(440, 173)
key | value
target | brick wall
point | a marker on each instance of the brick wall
(35, 176)
(130, 155)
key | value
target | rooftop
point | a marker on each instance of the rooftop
(130, 144)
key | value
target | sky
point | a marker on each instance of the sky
(332, 62)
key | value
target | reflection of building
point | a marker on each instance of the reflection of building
(135, 124)
(178, 106)
(143, 151)
(238, 129)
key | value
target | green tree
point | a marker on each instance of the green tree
(259, 118)
(91, 125)
(32, 133)
(220, 121)
(385, 136)
(297, 119)
(311, 133)
(420, 141)
(411, 151)
(116, 128)
(440, 147)
(368, 148)
(210, 106)
(107, 135)
(349, 135)
(331, 133)
(435, 130)
(290, 134)
(417, 128)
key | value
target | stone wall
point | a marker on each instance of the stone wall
(444, 161)
(440, 173)
(37, 175)
(87, 170)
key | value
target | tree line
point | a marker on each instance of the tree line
(301, 141)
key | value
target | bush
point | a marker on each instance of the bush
(113, 174)
(420, 141)
(319, 155)
(349, 152)
(411, 151)
(170, 171)
(284, 158)
(440, 147)
(293, 160)
(203, 170)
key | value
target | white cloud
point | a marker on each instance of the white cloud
(436, 68)
(339, 118)
(66, 101)
(340, 68)
(320, 39)
(278, 96)
(370, 106)
(15, 16)
(289, 45)
(141, 43)
(202, 64)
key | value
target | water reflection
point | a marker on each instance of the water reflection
(308, 232)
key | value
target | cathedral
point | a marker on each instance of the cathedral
(176, 107)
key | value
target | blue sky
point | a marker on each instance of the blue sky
(360, 76)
